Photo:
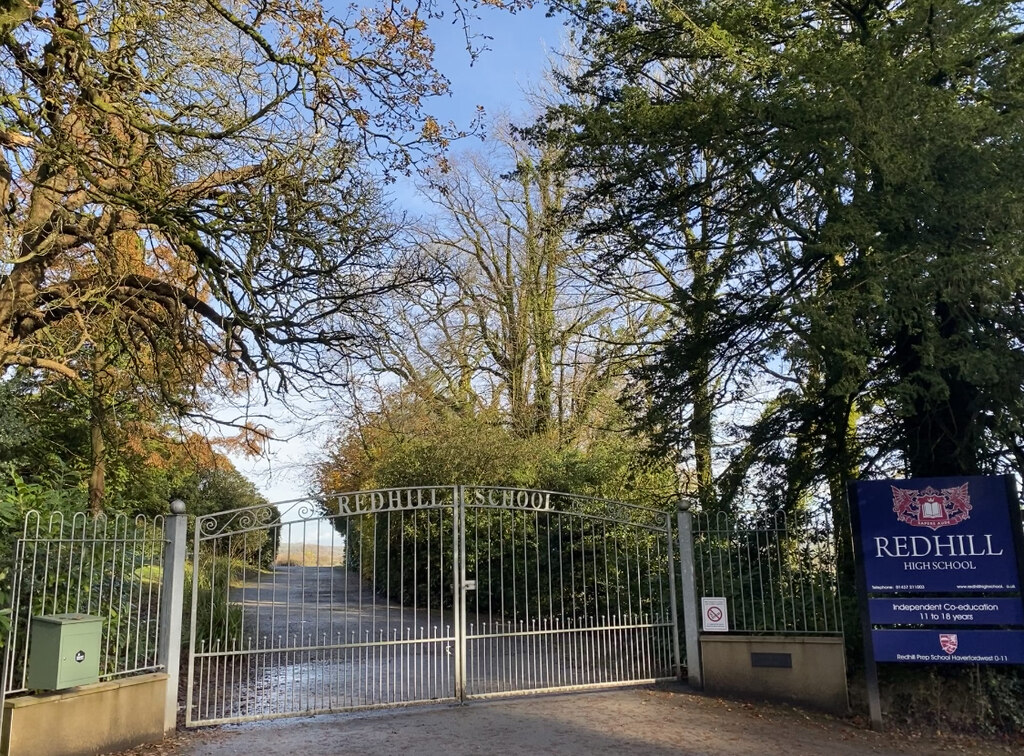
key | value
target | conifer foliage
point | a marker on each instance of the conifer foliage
(842, 180)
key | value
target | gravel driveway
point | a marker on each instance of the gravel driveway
(652, 721)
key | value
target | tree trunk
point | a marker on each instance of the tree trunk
(940, 435)
(97, 424)
(701, 421)
(97, 477)
(549, 266)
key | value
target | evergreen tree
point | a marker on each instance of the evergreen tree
(867, 218)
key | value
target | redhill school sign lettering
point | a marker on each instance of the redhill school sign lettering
(939, 567)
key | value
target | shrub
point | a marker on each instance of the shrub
(218, 620)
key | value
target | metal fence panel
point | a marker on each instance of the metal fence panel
(398, 596)
(105, 566)
(777, 572)
(567, 592)
(358, 612)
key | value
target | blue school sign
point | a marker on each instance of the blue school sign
(940, 564)
(938, 535)
(940, 571)
(934, 611)
(949, 646)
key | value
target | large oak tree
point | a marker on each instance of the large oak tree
(519, 320)
(189, 191)
(180, 182)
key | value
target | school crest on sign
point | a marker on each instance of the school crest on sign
(931, 507)
(949, 643)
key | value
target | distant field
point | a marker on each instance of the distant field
(309, 555)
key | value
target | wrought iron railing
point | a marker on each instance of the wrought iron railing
(109, 567)
(418, 594)
(776, 572)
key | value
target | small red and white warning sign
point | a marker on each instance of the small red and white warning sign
(715, 613)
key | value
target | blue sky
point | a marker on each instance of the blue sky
(519, 48)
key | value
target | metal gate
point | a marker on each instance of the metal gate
(399, 596)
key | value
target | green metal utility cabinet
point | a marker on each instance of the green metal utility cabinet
(64, 651)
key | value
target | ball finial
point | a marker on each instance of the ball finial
(177, 507)
(684, 505)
